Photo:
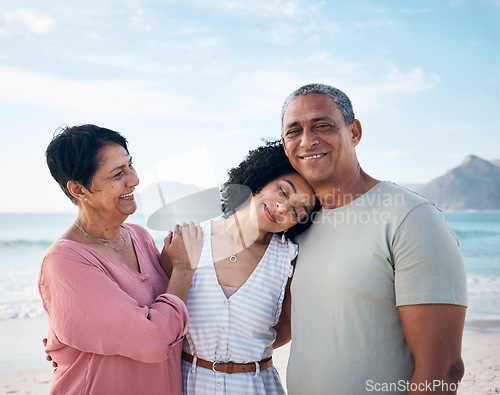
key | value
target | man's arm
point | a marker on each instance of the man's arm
(284, 327)
(433, 333)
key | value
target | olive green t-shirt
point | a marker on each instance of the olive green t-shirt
(356, 264)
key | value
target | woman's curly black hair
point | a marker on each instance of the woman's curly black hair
(261, 166)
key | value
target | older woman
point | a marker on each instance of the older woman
(116, 320)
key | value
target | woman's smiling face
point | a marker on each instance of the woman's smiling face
(113, 183)
(282, 203)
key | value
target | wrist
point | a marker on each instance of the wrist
(183, 269)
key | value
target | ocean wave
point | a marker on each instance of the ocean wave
(19, 243)
(462, 233)
(479, 285)
(483, 294)
(25, 309)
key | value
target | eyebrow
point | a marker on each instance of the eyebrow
(297, 123)
(292, 125)
(122, 166)
(291, 184)
(295, 191)
(322, 119)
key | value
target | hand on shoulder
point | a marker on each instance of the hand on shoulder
(182, 247)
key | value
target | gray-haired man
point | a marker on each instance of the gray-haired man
(379, 291)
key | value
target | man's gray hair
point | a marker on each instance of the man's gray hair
(341, 100)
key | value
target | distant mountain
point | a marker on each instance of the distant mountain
(474, 185)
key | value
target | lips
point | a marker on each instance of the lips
(269, 215)
(311, 156)
(129, 196)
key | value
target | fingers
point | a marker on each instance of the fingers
(168, 239)
(185, 244)
(193, 242)
(177, 230)
(189, 229)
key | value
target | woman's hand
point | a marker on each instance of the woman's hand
(181, 254)
(48, 357)
(182, 248)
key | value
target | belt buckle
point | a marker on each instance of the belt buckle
(214, 364)
(229, 367)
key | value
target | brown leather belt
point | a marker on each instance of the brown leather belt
(228, 367)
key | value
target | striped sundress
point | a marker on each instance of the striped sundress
(238, 328)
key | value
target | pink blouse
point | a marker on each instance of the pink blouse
(112, 330)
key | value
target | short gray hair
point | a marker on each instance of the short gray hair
(341, 100)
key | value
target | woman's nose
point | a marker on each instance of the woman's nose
(282, 206)
(133, 179)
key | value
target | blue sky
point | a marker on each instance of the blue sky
(176, 76)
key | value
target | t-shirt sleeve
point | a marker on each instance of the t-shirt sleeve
(428, 264)
(89, 311)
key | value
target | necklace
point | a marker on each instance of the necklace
(233, 258)
(104, 242)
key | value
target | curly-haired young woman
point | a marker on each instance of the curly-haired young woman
(240, 284)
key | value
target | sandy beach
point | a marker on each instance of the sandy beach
(22, 342)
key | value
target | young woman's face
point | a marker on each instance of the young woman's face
(282, 203)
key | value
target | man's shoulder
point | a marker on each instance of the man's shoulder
(399, 196)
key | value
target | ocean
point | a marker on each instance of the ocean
(25, 237)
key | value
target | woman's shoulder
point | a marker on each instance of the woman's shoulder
(63, 254)
(285, 248)
(64, 247)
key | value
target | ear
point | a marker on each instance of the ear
(356, 132)
(76, 190)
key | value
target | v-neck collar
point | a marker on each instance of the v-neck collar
(209, 251)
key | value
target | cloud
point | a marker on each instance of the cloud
(372, 86)
(139, 19)
(371, 96)
(127, 61)
(271, 9)
(334, 64)
(289, 21)
(412, 81)
(376, 24)
(412, 11)
(111, 98)
(23, 21)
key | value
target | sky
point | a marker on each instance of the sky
(194, 84)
